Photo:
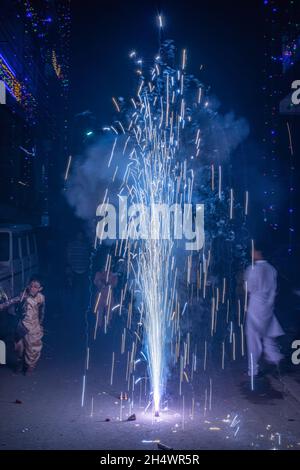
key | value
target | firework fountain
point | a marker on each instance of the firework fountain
(158, 177)
(167, 150)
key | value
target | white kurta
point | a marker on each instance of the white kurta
(262, 326)
(262, 285)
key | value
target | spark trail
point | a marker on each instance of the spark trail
(165, 146)
(156, 178)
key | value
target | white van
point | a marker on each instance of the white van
(18, 258)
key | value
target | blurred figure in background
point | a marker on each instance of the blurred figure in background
(78, 260)
(105, 283)
(262, 327)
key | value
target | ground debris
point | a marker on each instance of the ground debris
(131, 417)
(162, 446)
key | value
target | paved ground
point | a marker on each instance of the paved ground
(219, 412)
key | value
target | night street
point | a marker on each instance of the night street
(50, 415)
(149, 231)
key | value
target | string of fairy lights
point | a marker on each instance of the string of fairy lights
(272, 75)
(282, 51)
(64, 30)
(16, 88)
(32, 78)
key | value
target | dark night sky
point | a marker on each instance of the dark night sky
(225, 36)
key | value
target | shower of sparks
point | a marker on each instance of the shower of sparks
(160, 170)
(290, 139)
(155, 176)
(68, 167)
(246, 202)
(83, 391)
(251, 372)
(220, 182)
(112, 368)
(116, 104)
(231, 203)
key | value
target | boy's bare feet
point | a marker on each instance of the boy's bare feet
(29, 371)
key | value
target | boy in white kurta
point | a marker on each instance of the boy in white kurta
(262, 327)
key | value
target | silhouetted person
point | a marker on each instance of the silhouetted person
(78, 253)
(105, 284)
(78, 258)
